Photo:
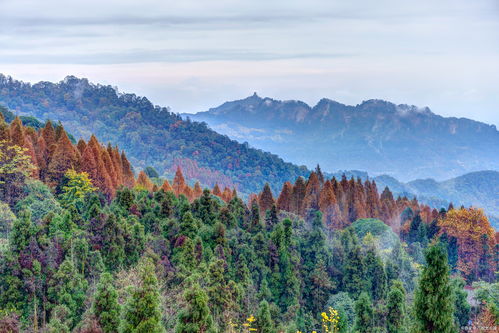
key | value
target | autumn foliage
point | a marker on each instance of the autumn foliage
(52, 153)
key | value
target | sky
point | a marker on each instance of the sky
(193, 55)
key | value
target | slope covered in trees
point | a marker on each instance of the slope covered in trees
(175, 258)
(151, 135)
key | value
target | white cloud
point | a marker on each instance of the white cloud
(192, 55)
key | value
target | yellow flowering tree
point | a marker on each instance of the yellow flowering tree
(330, 321)
(15, 168)
(78, 185)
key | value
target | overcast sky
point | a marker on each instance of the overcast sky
(193, 55)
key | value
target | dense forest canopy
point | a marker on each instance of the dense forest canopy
(151, 135)
(85, 246)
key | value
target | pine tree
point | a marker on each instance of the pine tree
(312, 192)
(434, 304)
(144, 182)
(142, 311)
(64, 157)
(284, 200)
(264, 322)
(265, 199)
(178, 182)
(166, 186)
(328, 205)
(298, 196)
(364, 314)
(395, 309)
(195, 317)
(106, 307)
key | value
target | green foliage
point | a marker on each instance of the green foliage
(106, 307)
(396, 309)
(38, 198)
(142, 313)
(434, 302)
(364, 321)
(387, 238)
(195, 317)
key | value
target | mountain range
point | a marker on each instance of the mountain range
(154, 136)
(403, 141)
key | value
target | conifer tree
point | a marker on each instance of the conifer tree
(195, 317)
(144, 182)
(364, 313)
(166, 186)
(178, 182)
(197, 190)
(264, 322)
(142, 310)
(298, 196)
(328, 205)
(284, 200)
(265, 199)
(106, 307)
(395, 308)
(65, 157)
(434, 304)
(216, 191)
(312, 193)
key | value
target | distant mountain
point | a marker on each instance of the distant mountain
(150, 135)
(479, 189)
(403, 141)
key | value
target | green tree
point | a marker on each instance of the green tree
(195, 317)
(106, 307)
(142, 311)
(462, 314)
(264, 322)
(434, 303)
(68, 287)
(364, 314)
(395, 308)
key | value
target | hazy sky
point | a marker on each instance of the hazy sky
(192, 55)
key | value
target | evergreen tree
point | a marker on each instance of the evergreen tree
(142, 311)
(364, 322)
(462, 313)
(395, 309)
(264, 322)
(195, 317)
(434, 303)
(106, 307)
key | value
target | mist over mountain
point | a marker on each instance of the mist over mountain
(377, 136)
(150, 135)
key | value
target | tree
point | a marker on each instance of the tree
(151, 172)
(265, 199)
(434, 303)
(364, 313)
(395, 309)
(195, 317)
(142, 311)
(15, 168)
(178, 182)
(264, 322)
(65, 157)
(106, 307)
(462, 313)
(78, 185)
(68, 287)
(469, 226)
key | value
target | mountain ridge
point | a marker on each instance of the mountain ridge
(375, 135)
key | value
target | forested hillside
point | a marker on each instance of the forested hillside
(151, 135)
(86, 247)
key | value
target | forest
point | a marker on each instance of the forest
(87, 244)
